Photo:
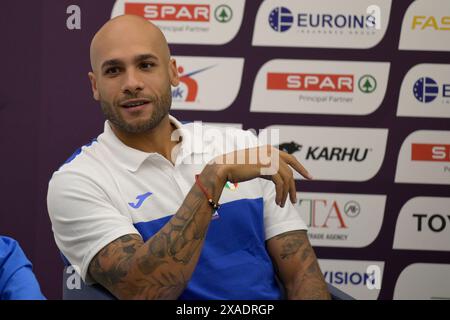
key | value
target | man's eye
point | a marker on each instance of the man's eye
(147, 65)
(111, 71)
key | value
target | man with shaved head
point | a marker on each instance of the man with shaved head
(140, 216)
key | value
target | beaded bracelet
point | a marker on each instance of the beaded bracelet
(211, 202)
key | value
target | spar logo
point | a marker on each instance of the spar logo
(424, 158)
(170, 12)
(179, 12)
(223, 13)
(281, 19)
(427, 90)
(344, 83)
(310, 82)
(187, 90)
(188, 21)
(367, 83)
(319, 82)
(322, 87)
(430, 152)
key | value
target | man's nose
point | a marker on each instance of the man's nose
(132, 82)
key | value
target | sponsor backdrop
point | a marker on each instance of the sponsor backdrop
(359, 89)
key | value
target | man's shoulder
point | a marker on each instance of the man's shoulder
(10, 249)
(6, 245)
(87, 161)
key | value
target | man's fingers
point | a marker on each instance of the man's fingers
(287, 174)
(293, 191)
(294, 163)
(278, 181)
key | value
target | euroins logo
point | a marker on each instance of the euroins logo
(281, 19)
(188, 89)
(426, 90)
(320, 82)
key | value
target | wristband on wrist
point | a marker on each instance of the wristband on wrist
(211, 202)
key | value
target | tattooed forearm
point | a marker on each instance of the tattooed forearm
(291, 243)
(297, 266)
(110, 274)
(161, 267)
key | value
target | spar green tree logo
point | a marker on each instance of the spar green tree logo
(223, 13)
(367, 83)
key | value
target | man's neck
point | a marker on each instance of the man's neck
(157, 140)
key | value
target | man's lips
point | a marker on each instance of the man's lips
(134, 103)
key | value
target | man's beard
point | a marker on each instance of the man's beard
(161, 107)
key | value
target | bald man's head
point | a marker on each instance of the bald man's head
(132, 73)
(123, 30)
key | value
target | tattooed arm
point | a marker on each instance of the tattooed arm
(297, 266)
(161, 267)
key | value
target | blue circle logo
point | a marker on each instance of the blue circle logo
(281, 19)
(425, 89)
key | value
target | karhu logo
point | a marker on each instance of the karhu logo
(336, 153)
(140, 200)
(290, 147)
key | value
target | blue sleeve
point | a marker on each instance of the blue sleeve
(17, 280)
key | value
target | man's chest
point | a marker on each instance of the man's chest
(155, 192)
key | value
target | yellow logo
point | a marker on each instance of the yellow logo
(425, 22)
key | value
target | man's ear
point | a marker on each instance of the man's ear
(173, 73)
(94, 86)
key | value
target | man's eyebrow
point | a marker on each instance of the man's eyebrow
(145, 56)
(138, 58)
(112, 62)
